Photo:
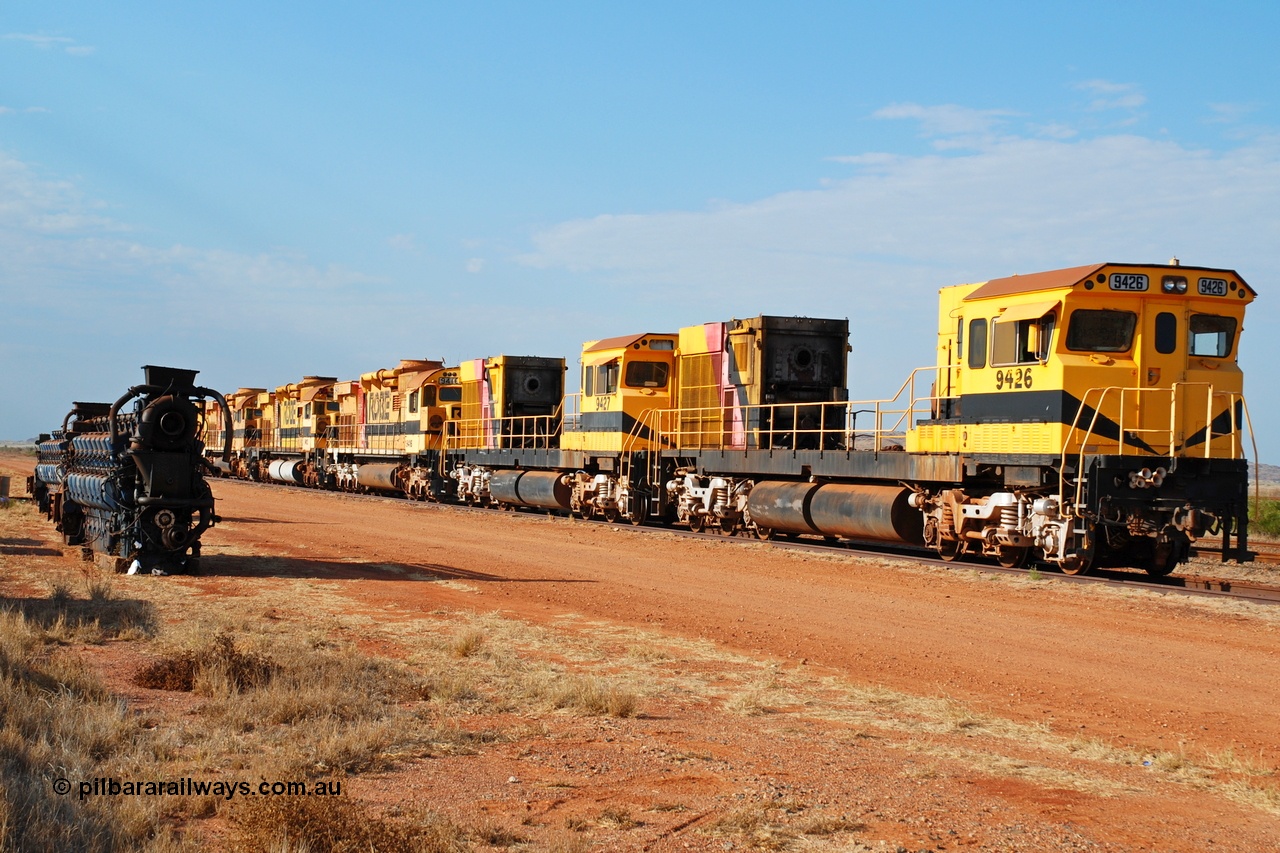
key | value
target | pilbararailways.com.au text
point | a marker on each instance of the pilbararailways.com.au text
(188, 787)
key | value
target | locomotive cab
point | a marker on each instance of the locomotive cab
(623, 379)
(1102, 359)
(1111, 389)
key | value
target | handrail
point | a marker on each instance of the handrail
(1174, 447)
(1257, 470)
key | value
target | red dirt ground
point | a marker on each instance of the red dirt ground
(1147, 673)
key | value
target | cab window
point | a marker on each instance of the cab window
(977, 344)
(450, 394)
(589, 380)
(1211, 335)
(1166, 333)
(647, 374)
(413, 402)
(1020, 341)
(606, 378)
(1102, 330)
(428, 396)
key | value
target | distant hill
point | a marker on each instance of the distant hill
(1269, 475)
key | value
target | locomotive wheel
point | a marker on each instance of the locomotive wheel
(764, 533)
(728, 526)
(1076, 564)
(696, 523)
(1161, 561)
(611, 515)
(949, 550)
(1010, 557)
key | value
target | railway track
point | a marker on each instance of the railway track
(1173, 584)
(1263, 552)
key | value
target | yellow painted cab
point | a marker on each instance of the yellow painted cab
(623, 379)
(1106, 358)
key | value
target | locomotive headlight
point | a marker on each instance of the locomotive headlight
(1174, 284)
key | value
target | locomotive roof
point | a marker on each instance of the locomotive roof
(624, 341)
(1055, 279)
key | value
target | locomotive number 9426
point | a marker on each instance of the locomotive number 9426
(1013, 379)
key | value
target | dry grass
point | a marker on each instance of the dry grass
(1229, 762)
(617, 819)
(219, 669)
(778, 826)
(752, 703)
(467, 643)
(592, 696)
(336, 825)
(56, 721)
(66, 618)
(496, 835)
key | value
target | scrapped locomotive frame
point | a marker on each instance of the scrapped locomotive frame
(130, 484)
(1077, 417)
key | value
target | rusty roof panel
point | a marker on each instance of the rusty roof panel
(624, 341)
(1051, 280)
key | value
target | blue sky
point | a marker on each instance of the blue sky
(262, 191)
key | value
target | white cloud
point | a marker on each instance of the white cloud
(1227, 113)
(87, 300)
(40, 41)
(1054, 130)
(1112, 96)
(44, 42)
(1034, 201)
(947, 119)
(58, 249)
(475, 265)
(402, 242)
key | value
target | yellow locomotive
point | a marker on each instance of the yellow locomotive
(1078, 417)
(511, 417)
(246, 432)
(1108, 403)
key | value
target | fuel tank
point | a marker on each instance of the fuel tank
(542, 489)
(836, 509)
(285, 470)
(378, 476)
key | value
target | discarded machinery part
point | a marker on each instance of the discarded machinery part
(836, 509)
(379, 476)
(286, 470)
(542, 489)
(130, 484)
